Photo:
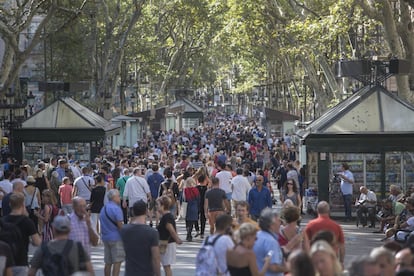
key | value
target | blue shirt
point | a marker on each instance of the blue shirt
(154, 182)
(258, 200)
(346, 187)
(268, 242)
(110, 231)
(61, 172)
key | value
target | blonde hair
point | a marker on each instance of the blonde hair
(323, 246)
(189, 182)
(246, 229)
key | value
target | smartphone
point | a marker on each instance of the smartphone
(269, 254)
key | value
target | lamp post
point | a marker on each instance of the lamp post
(12, 114)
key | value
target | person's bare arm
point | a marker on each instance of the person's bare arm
(299, 200)
(89, 268)
(173, 233)
(156, 259)
(74, 190)
(253, 265)
(226, 205)
(277, 268)
(36, 240)
(206, 206)
(342, 253)
(119, 224)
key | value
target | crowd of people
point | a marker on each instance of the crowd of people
(130, 200)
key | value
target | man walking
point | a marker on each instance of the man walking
(111, 219)
(82, 186)
(19, 217)
(240, 186)
(136, 188)
(120, 185)
(154, 183)
(259, 198)
(267, 241)
(215, 203)
(76, 258)
(324, 222)
(141, 244)
(81, 226)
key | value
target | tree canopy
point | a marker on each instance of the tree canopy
(286, 47)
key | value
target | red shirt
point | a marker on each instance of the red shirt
(65, 193)
(323, 223)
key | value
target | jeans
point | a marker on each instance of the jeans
(366, 213)
(348, 206)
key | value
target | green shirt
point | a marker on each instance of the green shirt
(120, 184)
(398, 208)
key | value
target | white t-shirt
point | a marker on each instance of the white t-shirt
(7, 187)
(84, 185)
(221, 246)
(224, 180)
(241, 187)
(136, 188)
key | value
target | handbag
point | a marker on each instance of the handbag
(29, 207)
(163, 246)
(183, 210)
(184, 204)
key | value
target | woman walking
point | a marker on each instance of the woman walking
(46, 214)
(241, 261)
(32, 199)
(291, 192)
(192, 197)
(97, 201)
(168, 234)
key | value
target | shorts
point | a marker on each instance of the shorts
(152, 205)
(113, 252)
(168, 258)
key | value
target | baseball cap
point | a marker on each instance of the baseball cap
(61, 223)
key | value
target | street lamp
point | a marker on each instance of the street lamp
(132, 97)
(12, 114)
(30, 102)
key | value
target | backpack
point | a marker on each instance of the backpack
(57, 263)
(10, 233)
(206, 260)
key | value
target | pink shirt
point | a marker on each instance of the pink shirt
(65, 193)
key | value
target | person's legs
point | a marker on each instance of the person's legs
(212, 219)
(202, 222)
(167, 270)
(125, 212)
(107, 269)
(116, 268)
(371, 216)
(189, 230)
(347, 206)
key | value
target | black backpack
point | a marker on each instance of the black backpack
(57, 263)
(10, 233)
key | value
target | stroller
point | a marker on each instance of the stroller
(311, 201)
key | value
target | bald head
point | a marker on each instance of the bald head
(18, 186)
(323, 208)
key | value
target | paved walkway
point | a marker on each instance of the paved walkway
(359, 241)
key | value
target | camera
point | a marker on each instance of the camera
(336, 178)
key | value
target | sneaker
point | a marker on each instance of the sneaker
(202, 236)
(150, 224)
(197, 234)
